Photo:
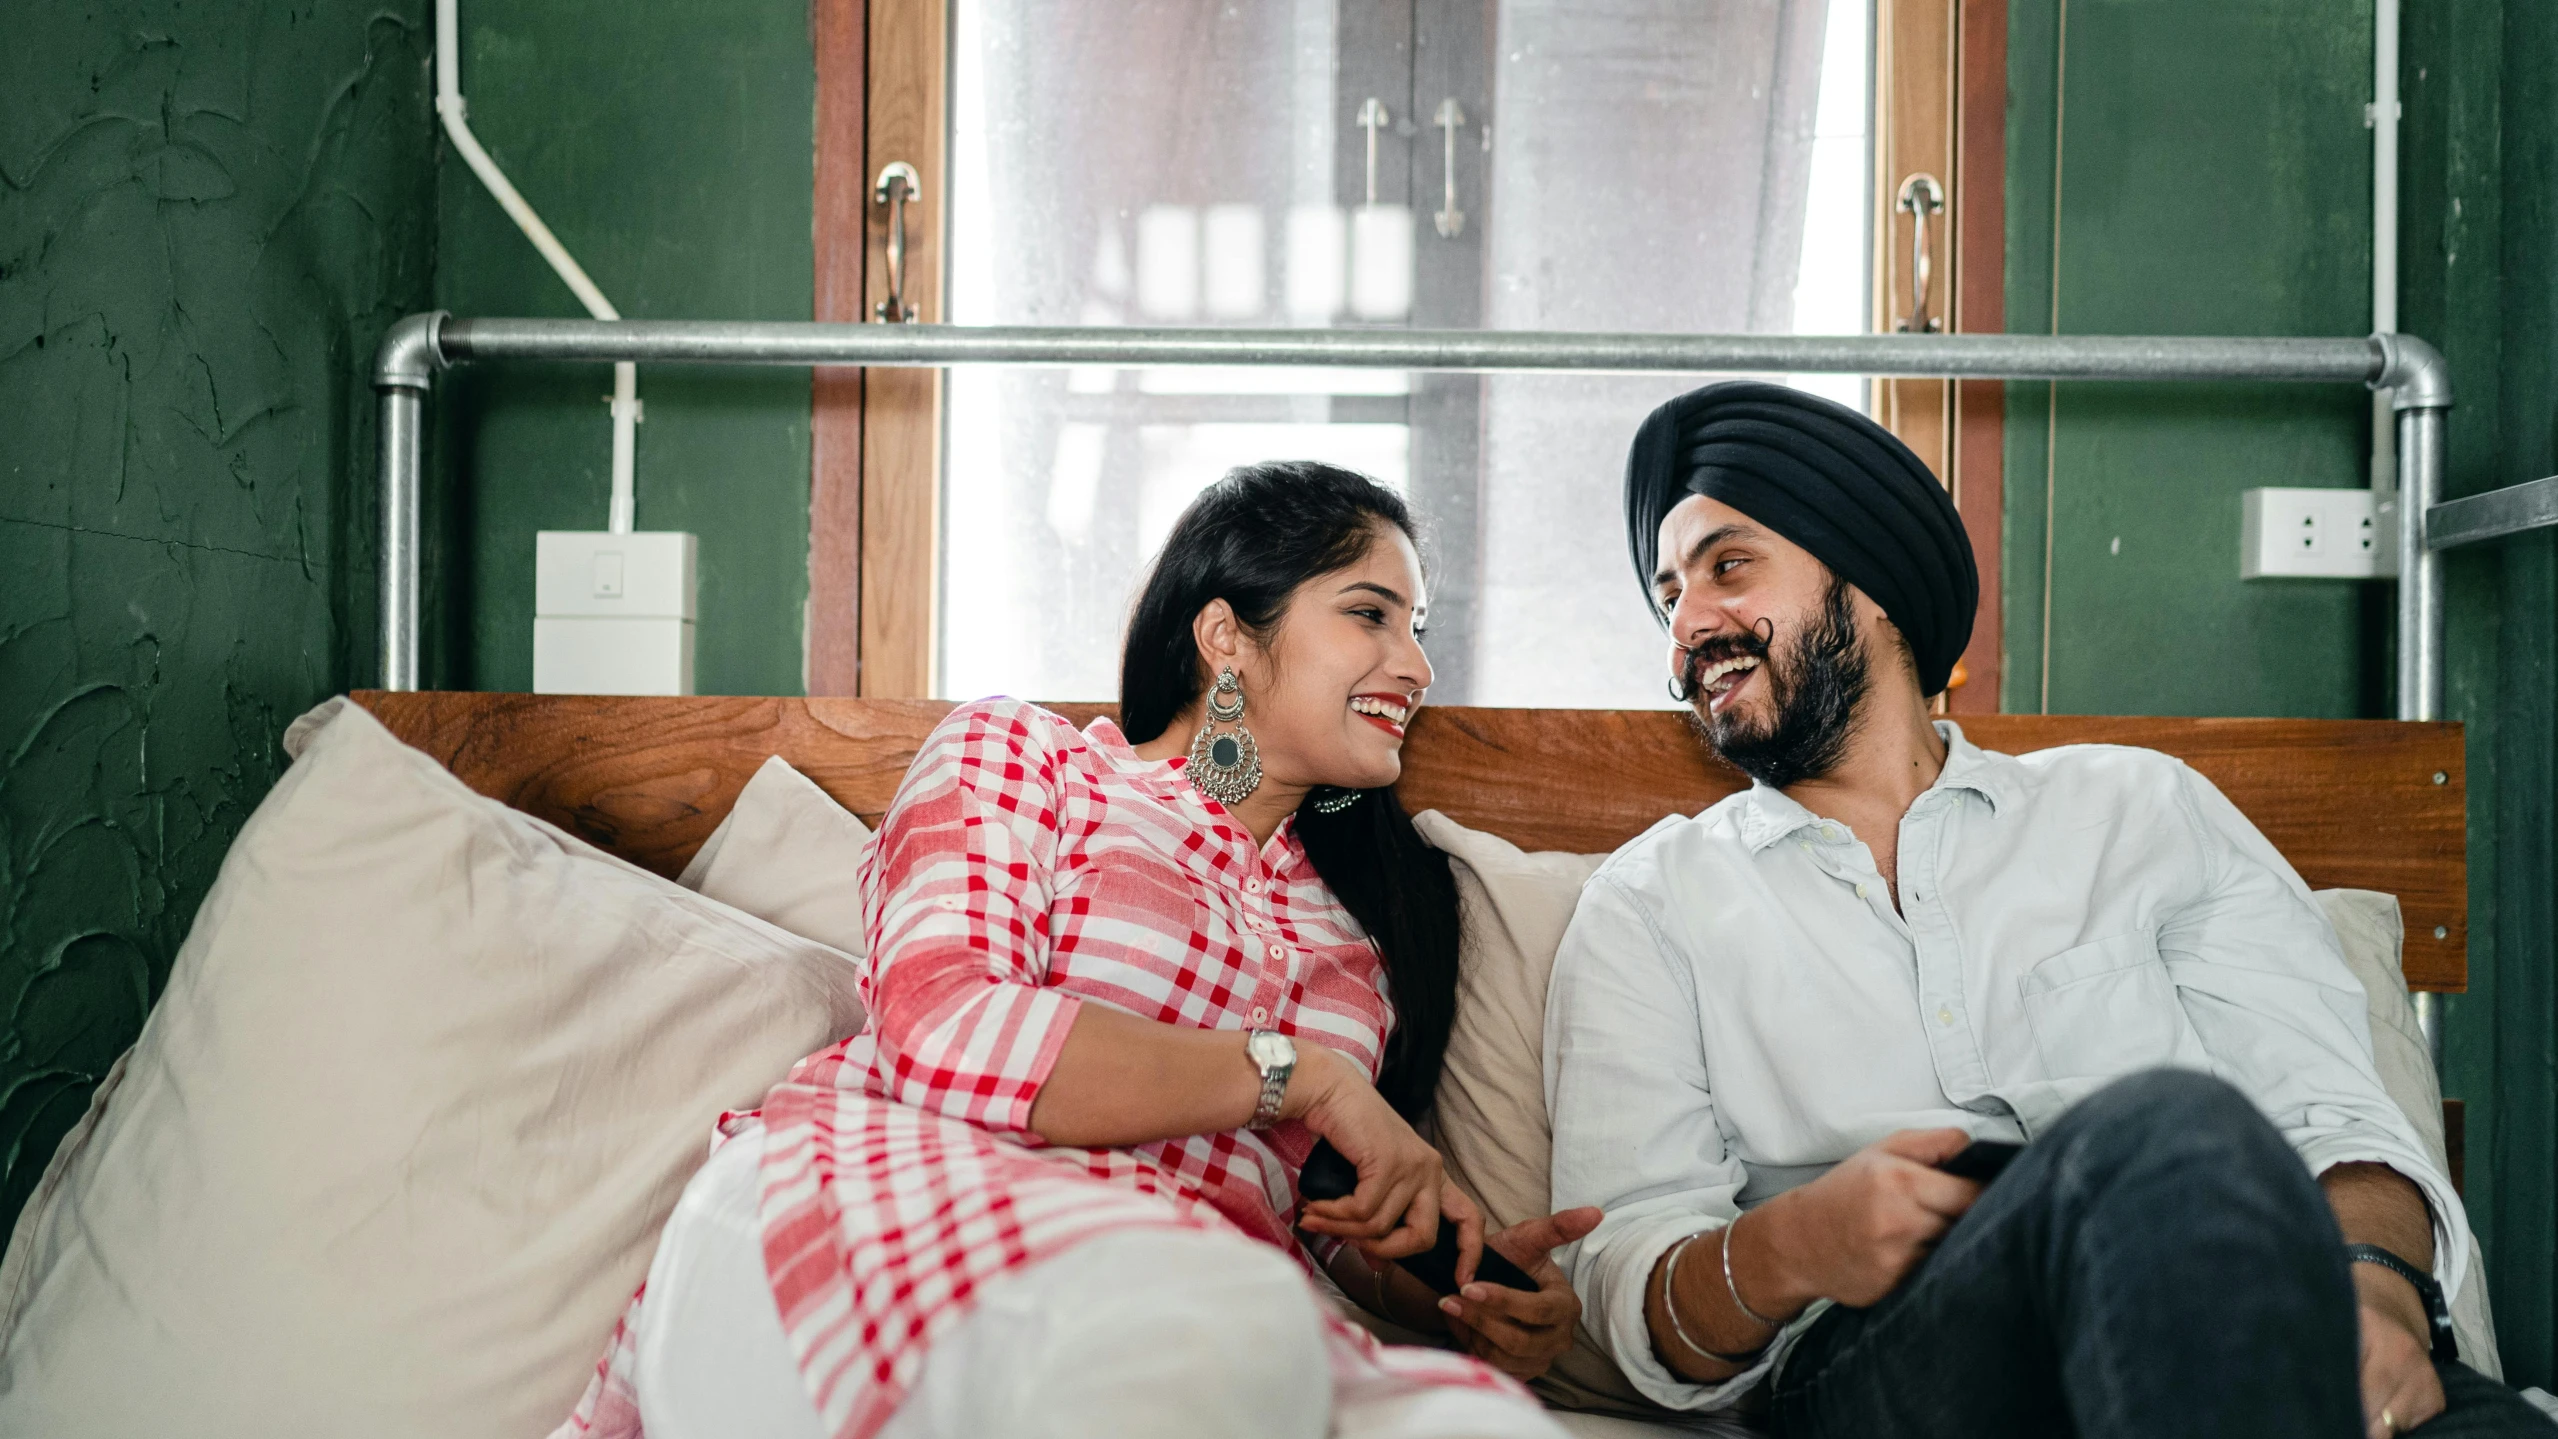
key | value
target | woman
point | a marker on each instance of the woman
(1120, 983)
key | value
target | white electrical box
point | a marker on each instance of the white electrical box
(613, 614)
(2299, 534)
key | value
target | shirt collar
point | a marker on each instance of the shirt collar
(1169, 779)
(1769, 814)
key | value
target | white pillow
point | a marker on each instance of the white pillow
(788, 854)
(393, 1150)
(1491, 1122)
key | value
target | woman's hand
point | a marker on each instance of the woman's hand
(1395, 1210)
(1522, 1332)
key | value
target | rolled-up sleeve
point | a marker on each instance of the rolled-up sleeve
(958, 889)
(2260, 975)
(1634, 1128)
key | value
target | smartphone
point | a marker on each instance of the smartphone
(1329, 1175)
(1983, 1160)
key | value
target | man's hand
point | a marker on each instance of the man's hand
(1522, 1332)
(2375, 1204)
(1852, 1234)
(2400, 1388)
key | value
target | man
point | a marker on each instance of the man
(1772, 1022)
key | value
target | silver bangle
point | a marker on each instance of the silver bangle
(1670, 1306)
(1734, 1286)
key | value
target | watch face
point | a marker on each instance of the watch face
(1270, 1050)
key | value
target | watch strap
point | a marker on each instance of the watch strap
(1274, 1080)
(2437, 1313)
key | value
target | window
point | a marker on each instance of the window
(1659, 166)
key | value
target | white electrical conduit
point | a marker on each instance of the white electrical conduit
(449, 105)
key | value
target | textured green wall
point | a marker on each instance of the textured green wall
(2204, 166)
(2479, 237)
(668, 144)
(208, 213)
(2200, 166)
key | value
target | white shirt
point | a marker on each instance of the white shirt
(1737, 1006)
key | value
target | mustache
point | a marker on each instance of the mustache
(1753, 643)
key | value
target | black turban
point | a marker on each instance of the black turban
(1830, 480)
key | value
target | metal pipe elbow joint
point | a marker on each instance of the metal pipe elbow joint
(2414, 371)
(412, 350)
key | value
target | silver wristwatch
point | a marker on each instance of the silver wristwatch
(1275, 1055)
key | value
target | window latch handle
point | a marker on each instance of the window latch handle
(1450, 119)
(897, 184)
(1372, 118)
(1921, 198)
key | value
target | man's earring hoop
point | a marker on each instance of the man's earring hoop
(1226, 767)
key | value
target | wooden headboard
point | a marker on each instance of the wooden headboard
(2360, 804)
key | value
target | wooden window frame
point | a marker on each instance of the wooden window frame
(1940, 108)
(1940, 87)
(875, 435)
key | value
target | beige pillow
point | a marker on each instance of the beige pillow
(1491, 1119)
(2375, 937)
(394, 1148)
(788, 855)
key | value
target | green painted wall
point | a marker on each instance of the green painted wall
(2479, 237)
(2204, 166)
(668, 144)
(208, 213)
(2201, 166)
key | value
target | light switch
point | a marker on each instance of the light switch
(608, 575)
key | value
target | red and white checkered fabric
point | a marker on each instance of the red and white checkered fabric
(1024, 869)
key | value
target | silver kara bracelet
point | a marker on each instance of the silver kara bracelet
(1733, 1285)
(1670, 1304)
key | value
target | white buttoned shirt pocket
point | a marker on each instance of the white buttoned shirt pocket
(2106, 1008)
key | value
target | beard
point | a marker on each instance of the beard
(1816, 682)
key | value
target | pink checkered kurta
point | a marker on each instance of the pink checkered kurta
(1027, 869)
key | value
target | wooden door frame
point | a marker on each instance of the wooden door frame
(1940, 106)
(875, 435)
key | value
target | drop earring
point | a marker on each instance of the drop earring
(1226, 767)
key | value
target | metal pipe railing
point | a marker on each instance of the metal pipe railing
(418, 346)
(2014, 357)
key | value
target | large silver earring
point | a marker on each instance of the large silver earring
(1226, 767)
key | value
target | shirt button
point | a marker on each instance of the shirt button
(1944, 1015)
(1829, 831)
(1252, 886)
(1260, 1016)
(1860, 891)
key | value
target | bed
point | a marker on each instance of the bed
(2354, 805)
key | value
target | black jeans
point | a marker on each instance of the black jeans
(2160, 1265)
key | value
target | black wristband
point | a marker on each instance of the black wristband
(2437, 1313)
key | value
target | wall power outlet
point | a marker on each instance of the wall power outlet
(613, 614)
(2331, 534)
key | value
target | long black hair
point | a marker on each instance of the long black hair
(1251, 539)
